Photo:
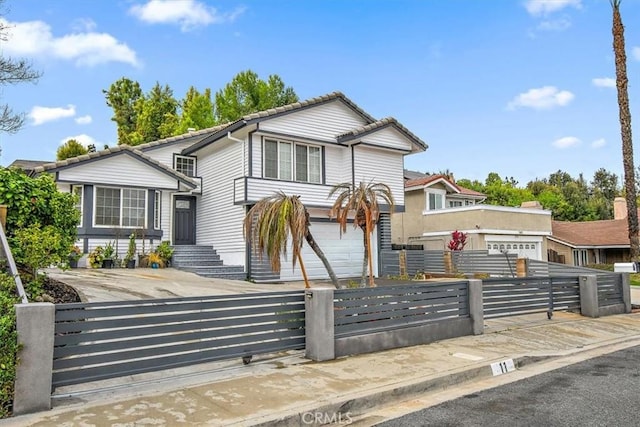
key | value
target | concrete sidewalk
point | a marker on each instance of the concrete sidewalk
(291, 390)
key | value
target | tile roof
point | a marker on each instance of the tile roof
(202, 133)
(428, 179)
(108, 152)
(308, 103)
(379, 124)
(612, 232)
(408, 174)
(27, 165)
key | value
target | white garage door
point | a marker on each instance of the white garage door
(344, 254)
(523, 249)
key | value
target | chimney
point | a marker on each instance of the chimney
(619, 208)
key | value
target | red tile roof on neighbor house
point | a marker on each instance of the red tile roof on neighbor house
(428, 179)
(604, 233)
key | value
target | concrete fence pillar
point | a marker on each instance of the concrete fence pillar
(319, 324)
(626, 292)
(448, 262)
(476, 312)
(589, 296)
(35, 325)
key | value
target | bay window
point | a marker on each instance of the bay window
(291, 161)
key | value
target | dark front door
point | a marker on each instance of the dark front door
(184, 221)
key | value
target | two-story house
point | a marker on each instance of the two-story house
(196, 188)
(435, 206)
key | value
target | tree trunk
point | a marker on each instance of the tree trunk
(368, 249)
(312, 243)
(304, 271)
(365, 259)
(625, 130)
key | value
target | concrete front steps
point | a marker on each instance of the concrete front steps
(204, 261)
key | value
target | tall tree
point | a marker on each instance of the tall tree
(625, 129)
(71, 148)
(247, 93)
(122, 97)
(155, 115)
(12, 71)
(363, 202)
(278, 221)
(197, 111)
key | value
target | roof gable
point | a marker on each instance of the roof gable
(431, 180)
(384, 133)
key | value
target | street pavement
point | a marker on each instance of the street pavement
(287, 389)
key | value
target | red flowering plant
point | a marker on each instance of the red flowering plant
(458, 241)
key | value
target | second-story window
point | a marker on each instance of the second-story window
(290, 161)
(435, 200)
(185, 165)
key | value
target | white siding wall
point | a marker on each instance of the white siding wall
(372, 165)
(336, 159)
(165, 216)
(119, 170)
(164, 154)
(256, 156)
(388, 137)
(218, 220)
(324, 121)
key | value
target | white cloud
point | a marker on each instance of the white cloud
(554, 24)
(41, 115)
(598, 143)
(604, 82)
(84, 120)
(545, 7)
(635, 52)
(543, 98)
(566, 142)
(83, 24)
(83, 139)
(189, 14)
(34, 38)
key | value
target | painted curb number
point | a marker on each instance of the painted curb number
(499, 368)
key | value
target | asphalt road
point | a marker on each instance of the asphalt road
(603, 391)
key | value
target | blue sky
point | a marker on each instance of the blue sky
(518, 87)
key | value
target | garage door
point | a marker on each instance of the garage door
(521, 249)
(344, 254)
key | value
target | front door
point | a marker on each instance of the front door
(184, 220)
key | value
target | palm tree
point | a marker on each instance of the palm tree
(275, 221)
(363, 201)
(625, 129)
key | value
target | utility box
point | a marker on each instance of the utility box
(625, 267)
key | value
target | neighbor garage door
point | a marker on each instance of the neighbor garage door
(344, 254)
(523, 249)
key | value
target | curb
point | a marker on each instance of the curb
(343, 410)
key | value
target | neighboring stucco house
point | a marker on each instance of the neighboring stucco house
(435, 206)
(592, 242)
(196, 188)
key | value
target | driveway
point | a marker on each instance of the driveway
(97, 285)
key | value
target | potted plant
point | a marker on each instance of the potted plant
(129, 259)
(165, 251)
(155, 260)
(74, 255)
(96, 257)
(108, 254)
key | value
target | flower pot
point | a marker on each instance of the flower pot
(131, 263)
(107, 263)
(73, 263)
(155, 265)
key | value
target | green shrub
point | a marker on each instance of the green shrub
(8, 342)
(165, 251)
(96, 257)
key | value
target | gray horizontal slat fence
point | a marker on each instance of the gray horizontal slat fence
(98, 341)
(370, 310)
(546, 269)
(525, 295)
(415, 262)
(434, 262)
(390, 262)
(610, 290)
(469, 262)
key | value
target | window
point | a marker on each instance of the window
(156, 210)
(435, 201)
(78, 191)
(185, 165)
(580, 257)
(120, 207)
(455, 203)
(469, 202)
(286, 160)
